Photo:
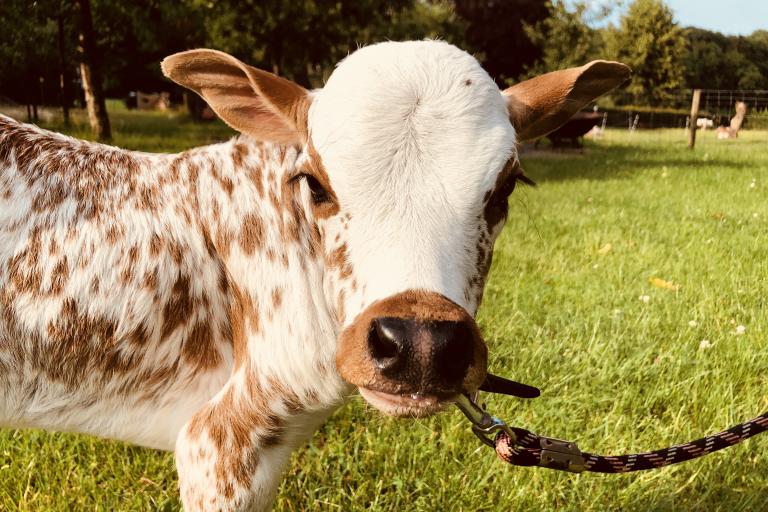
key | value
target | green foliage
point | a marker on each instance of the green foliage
(28, 49)
(303, 40)
(560, 311)
(565, 38)
(649, 40)
(716, 61)
(133, 37)
(495, 32)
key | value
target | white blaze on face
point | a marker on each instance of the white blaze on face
(412, 135)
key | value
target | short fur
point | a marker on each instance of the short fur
(195, 301)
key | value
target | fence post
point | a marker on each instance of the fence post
(694, 116)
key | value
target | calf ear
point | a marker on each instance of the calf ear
(249, 100)
(544, 103)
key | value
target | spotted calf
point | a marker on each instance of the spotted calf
(222, 302)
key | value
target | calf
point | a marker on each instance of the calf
(222, 302)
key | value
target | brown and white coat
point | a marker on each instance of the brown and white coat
(222, 302)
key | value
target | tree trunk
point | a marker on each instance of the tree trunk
(90, 72)
(63, 75)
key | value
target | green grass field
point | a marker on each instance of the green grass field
(570, 307)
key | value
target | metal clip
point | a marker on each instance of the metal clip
(483, 424)
(562, 455)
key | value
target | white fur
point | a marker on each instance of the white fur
(410, 150)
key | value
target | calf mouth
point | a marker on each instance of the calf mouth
(411, 405)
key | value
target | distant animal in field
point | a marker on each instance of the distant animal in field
(732, 131)
(223, 301)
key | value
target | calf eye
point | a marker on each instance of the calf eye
(320, 196)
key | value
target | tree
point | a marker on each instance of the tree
(303, 39)
(716, 61)
(652, 44)
(564, 38)
(495, 32)
(28, 54)
(90, 72)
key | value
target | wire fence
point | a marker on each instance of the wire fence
(717, 106)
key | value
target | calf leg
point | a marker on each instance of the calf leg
(232, 453)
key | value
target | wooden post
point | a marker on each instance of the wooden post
(694, 116)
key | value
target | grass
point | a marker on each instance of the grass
(562, 311)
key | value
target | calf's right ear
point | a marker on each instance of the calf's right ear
(544, 103)
(250, 100)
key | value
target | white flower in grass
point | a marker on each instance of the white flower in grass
(740, 329)
(693, 323)
(705, 344)
(645, 298)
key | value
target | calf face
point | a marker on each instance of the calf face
(409, 158)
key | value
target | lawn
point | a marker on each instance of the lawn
(571, 306)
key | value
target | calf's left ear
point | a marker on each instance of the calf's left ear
(249, 100)
(544, 103)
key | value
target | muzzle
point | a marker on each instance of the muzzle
(411, 352)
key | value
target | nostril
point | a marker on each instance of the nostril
(386, 340)
(453, 349)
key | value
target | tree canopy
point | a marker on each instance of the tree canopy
(303, 39)
(650, 42)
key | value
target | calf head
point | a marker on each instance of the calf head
(409, 158)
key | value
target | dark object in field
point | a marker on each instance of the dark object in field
(571, 134)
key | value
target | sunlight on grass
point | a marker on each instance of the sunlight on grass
(608, 280)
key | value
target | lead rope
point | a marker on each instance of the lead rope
(524, 448)
(529, 449)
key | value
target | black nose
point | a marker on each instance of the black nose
(425, 354)
(387, 340)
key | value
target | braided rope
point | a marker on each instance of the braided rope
(526, 450)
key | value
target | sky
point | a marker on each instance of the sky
(732, 17)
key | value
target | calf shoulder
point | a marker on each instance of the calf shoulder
(113, 302)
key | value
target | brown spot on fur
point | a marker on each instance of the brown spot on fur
(339, 260)
(59, 276)
(244, 319)
(146, 199)
(176, 250)
(223, 242)
(227, 185)
(251, 233)
(114, 233)
(150, 280)
(49, 198)
(155, 245)
(23, 270)
(239, 154)
(199, 349)
(131, 258)
(277, 298)
(179, 306)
